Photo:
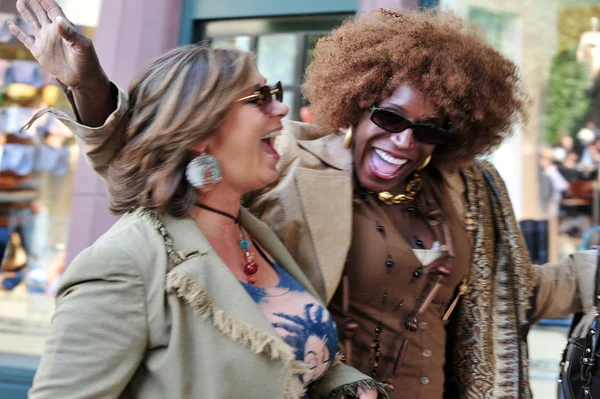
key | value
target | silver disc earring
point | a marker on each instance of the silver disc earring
(203, 172)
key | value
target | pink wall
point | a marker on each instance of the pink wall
(129, 33)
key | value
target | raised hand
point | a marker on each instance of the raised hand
(57, 45)
(69, 56)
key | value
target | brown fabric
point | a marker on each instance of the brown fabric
(422, 375)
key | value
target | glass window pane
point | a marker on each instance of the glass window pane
(277, 57)
(241, 42)
(289, 99)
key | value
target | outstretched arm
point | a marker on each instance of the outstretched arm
(69, 56)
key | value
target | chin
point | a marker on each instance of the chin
(374, 184)
(267, 178)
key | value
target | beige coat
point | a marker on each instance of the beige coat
(151, 311)
(310, 210)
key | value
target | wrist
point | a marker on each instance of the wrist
(95, 85)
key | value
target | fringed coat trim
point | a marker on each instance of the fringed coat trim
(246, 335)
(181, 284)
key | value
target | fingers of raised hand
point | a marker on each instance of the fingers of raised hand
(68, 31)
(40, 12)
(23, 36)
(52, 9)
(28, 15)
(20, 34)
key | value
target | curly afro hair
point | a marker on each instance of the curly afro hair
(364, 60)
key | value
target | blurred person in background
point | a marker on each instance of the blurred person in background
(566, 145)
(305, 115)
(407, 236)
(587, 135)
(554, 182)
(590, 157)
(568, 167)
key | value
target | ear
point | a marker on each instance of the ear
(201, 147)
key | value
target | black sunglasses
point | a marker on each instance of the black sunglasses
(393, 122)
(264, 96)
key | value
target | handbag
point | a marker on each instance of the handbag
(579, 375)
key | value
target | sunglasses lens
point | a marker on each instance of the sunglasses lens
(268, 93)
(395, 123)
(389, 121)
(279, 93)
(430, 135)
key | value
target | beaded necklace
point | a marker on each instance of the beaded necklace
(250, 267)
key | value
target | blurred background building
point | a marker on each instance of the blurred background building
(52, 205)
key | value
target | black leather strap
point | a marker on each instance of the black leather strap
(597, 298)
(590, 347)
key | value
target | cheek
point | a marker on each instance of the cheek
(427, 150)
(361, 145)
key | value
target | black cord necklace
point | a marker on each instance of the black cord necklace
(250, 267)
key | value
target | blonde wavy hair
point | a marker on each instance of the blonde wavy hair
(179, 100)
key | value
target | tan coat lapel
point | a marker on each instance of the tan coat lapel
(326, 200)
(205, 283)
(208, 271)
(263, 234)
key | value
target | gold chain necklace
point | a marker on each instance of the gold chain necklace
(411, 191)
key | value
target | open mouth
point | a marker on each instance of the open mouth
(384, 165)
(266, 144)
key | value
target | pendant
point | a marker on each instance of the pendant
(430, 296)
(250, 268)
(400, 357)
(462, 289)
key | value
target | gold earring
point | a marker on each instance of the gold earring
(424, 165)
(348, 136)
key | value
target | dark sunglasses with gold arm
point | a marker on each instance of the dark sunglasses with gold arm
(264, 96)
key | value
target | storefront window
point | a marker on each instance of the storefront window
(37, 173)
(283, 47)
(277, 57)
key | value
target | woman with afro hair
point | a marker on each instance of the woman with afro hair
(385, 204)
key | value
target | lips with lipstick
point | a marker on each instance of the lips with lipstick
(385, 165)
(266, 144)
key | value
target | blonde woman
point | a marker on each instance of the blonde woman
(188, 295)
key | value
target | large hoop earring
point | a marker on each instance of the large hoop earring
(424, 164)
(348, 136)
(203, 172)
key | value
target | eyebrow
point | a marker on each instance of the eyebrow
(257, 86)
(402, 111)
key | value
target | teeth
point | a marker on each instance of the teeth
(389, 159)
(272, 134)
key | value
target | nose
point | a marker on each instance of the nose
(404, 139)
(279, 109)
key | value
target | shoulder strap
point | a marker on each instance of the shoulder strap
(590, 346)
(597, 297)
